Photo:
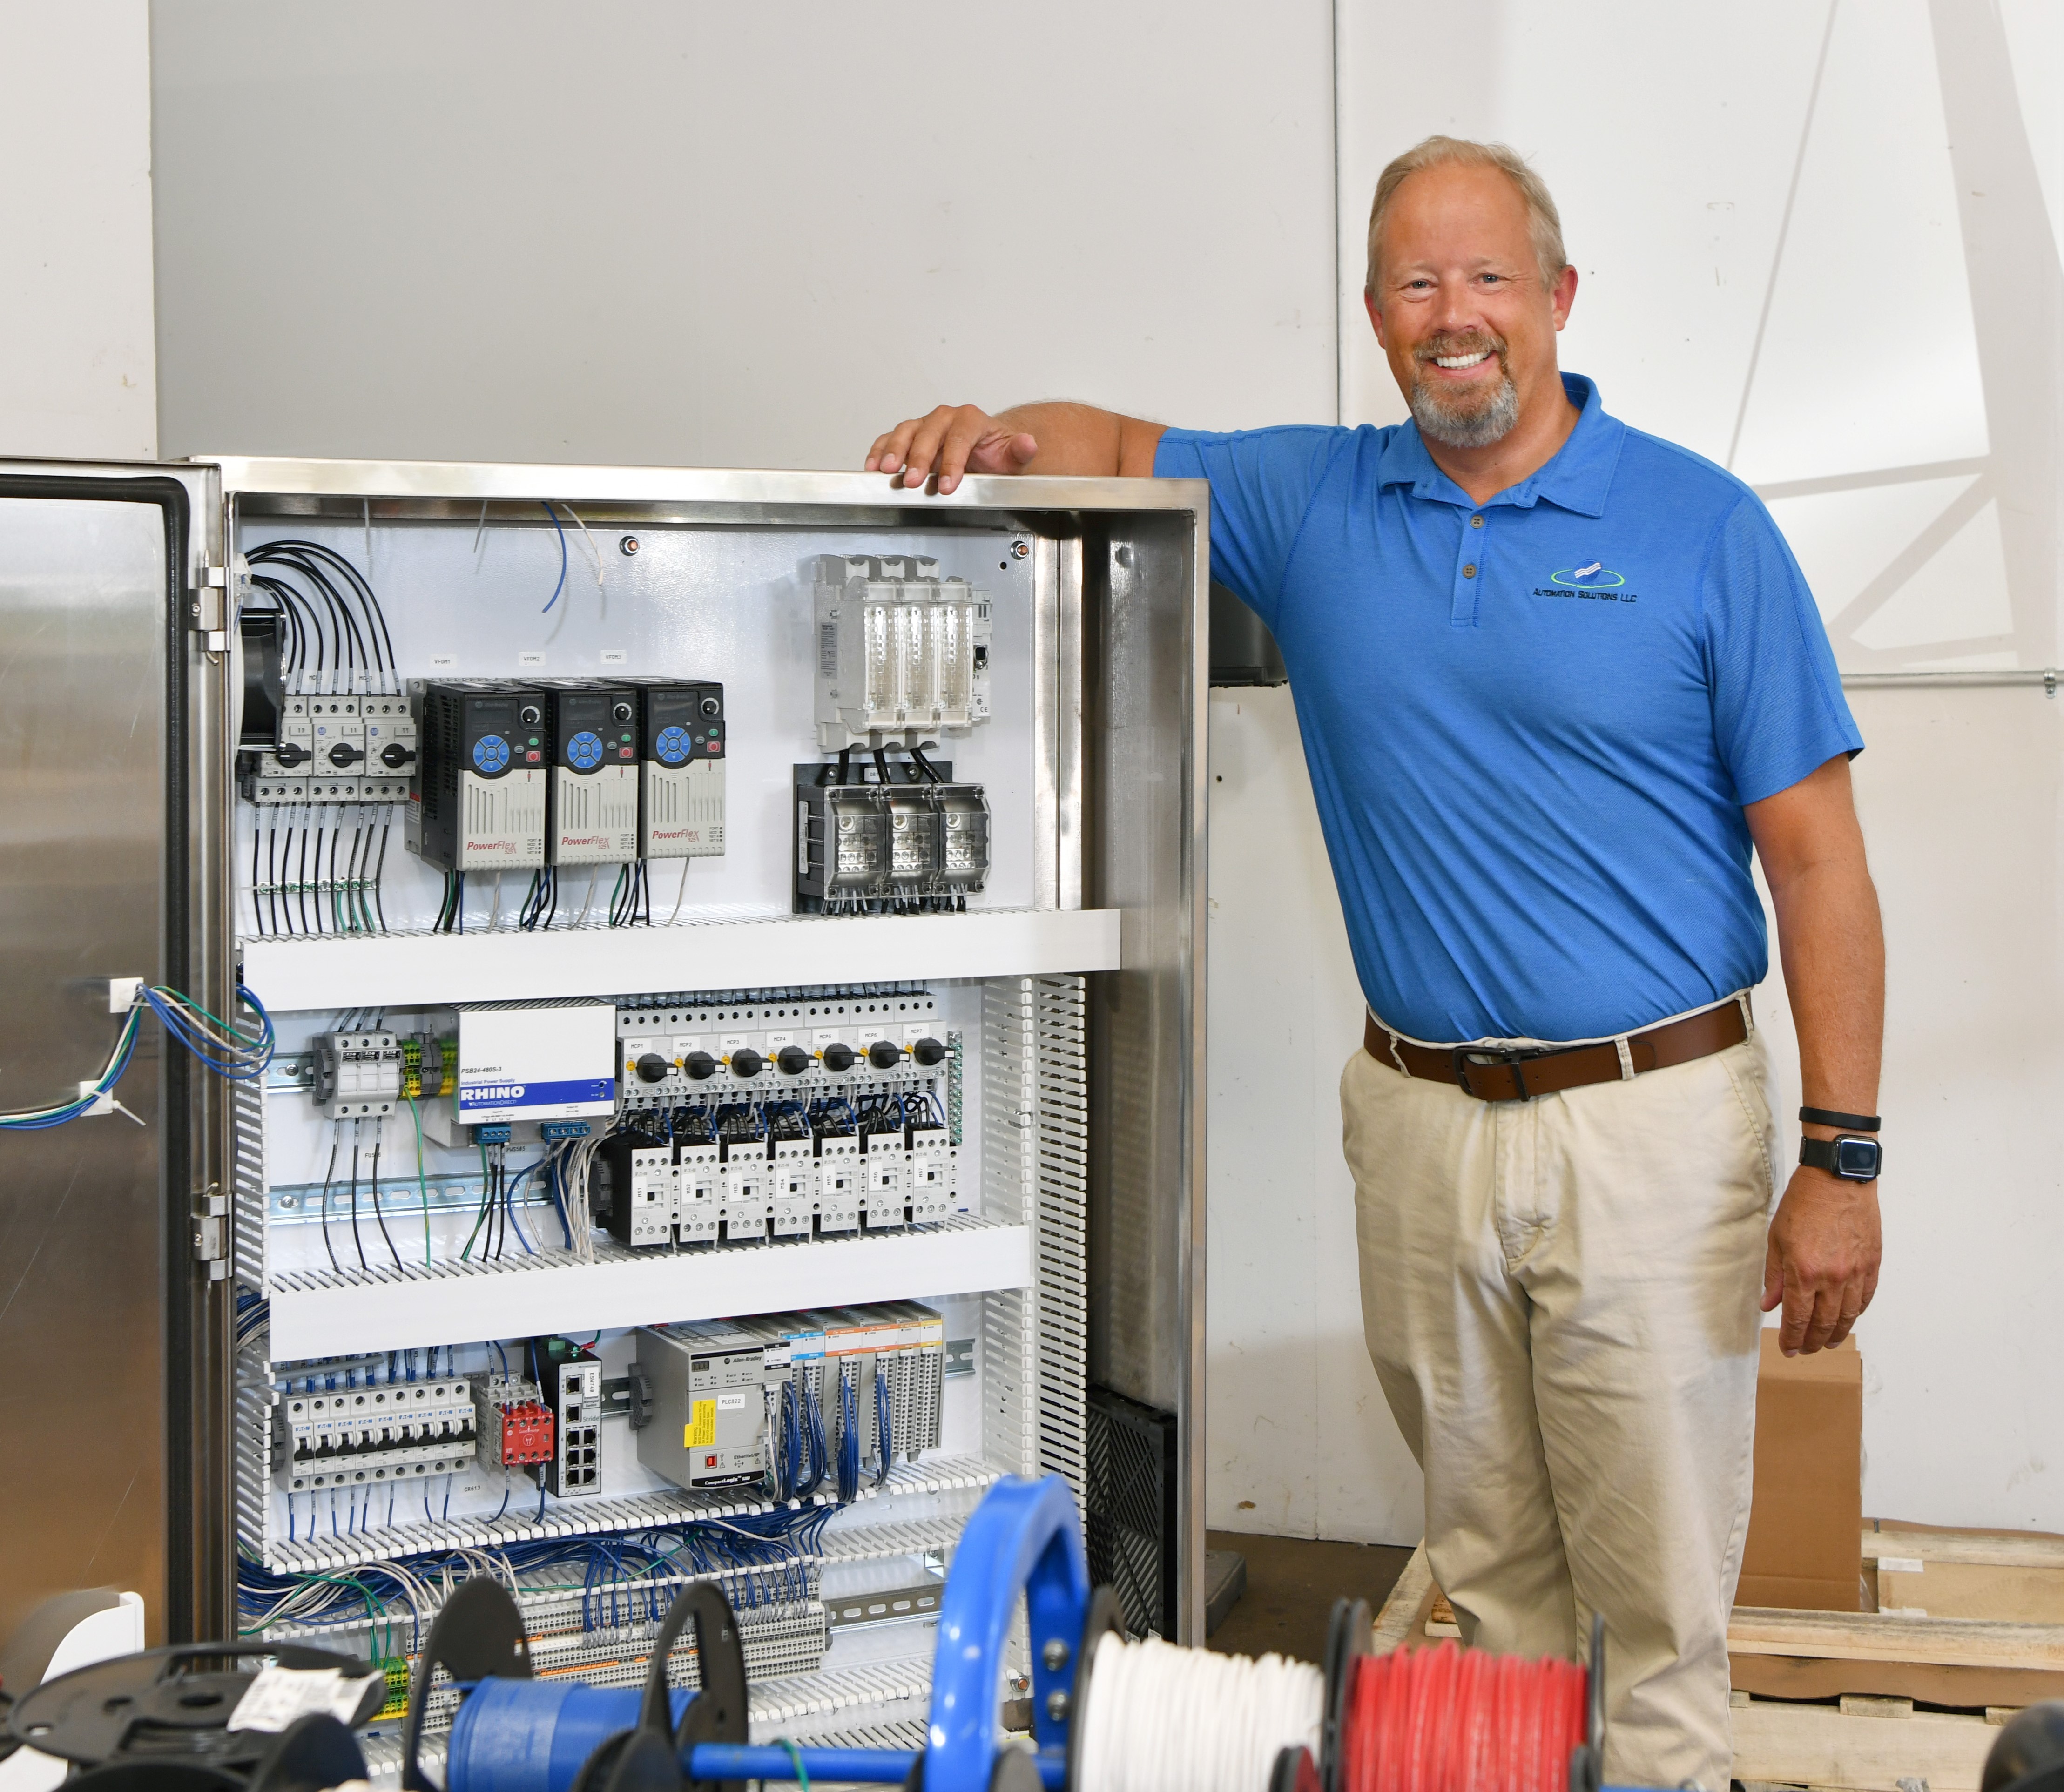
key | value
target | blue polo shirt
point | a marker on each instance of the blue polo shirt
(1531, 724)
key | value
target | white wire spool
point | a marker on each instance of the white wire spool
(1162, 1718)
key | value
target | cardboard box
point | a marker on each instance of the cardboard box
(1804, 1549)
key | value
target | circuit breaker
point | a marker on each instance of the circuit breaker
(375, 1434)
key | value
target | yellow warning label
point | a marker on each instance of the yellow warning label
(701, 1431)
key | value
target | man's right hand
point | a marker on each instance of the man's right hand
(948, 441)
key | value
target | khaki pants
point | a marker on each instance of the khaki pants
(1560, 1297)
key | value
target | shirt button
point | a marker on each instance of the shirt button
(1476, 523)
(1469, 571)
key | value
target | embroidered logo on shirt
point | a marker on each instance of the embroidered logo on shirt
(1597, 580)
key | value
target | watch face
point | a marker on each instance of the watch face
(1856, 1158)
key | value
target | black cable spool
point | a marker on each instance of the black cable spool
(1587, 1760)
(648, 1758)
(160, 1710)
(479, 1633)
(1350, 1632)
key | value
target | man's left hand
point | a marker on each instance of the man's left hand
(1822, 1259)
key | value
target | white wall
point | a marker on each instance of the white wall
(77, 373)
(730, 236)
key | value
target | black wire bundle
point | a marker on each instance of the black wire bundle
(331, 595)
(541, 902)
(630, 901)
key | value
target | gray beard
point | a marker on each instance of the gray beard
(1476, 427)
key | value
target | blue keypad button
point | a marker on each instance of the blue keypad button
(490, 754)
(584, 751)
(674, 745)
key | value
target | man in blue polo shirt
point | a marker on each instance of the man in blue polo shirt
(1556, 679)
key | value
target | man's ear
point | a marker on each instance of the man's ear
(1375, 317)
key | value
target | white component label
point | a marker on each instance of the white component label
(777, 1041)
(443, 662)
(733, 1402)
(730, 1042)
(916, 1030)
(615, 656)
(531, 656)
(280, 1695)
(682, 1044)
(825, 1036)
(1902, 1564)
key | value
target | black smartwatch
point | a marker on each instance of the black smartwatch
(1853, 1159)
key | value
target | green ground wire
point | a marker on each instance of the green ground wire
(422, 1187)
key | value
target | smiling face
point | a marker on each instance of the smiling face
(1465, 318)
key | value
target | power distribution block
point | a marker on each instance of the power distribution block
(681, 755)
(397, 1430)
(357, 1075)
(479, 799)
(591, 806)
(525, 1064)
(902, 653)
(515, 1426)
(883, 838)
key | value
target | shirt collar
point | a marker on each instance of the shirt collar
(1577, 477)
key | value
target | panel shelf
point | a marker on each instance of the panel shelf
(761, 952)
(336, 1312)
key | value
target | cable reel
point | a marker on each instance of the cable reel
(159, 1721)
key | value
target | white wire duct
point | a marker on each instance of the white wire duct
(1162, 1718)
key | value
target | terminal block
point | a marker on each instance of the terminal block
(396, 1430)
(357, 1075)
(902, 653)
(883, 838)
(515, 1425)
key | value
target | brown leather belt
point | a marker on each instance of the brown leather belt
(1493, 1073)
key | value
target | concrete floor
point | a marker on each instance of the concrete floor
(1292, 1583)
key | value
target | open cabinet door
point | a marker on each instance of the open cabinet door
(109, 705)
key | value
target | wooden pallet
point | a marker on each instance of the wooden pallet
(1973, 1619)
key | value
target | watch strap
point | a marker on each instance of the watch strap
(1852, 1122)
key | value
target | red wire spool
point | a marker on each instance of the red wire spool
(1448, 1719)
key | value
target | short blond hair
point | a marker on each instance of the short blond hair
(1544, 224)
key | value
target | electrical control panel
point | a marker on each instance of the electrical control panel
(695, 1063)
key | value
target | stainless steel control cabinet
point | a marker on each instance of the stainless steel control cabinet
(120, 686)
